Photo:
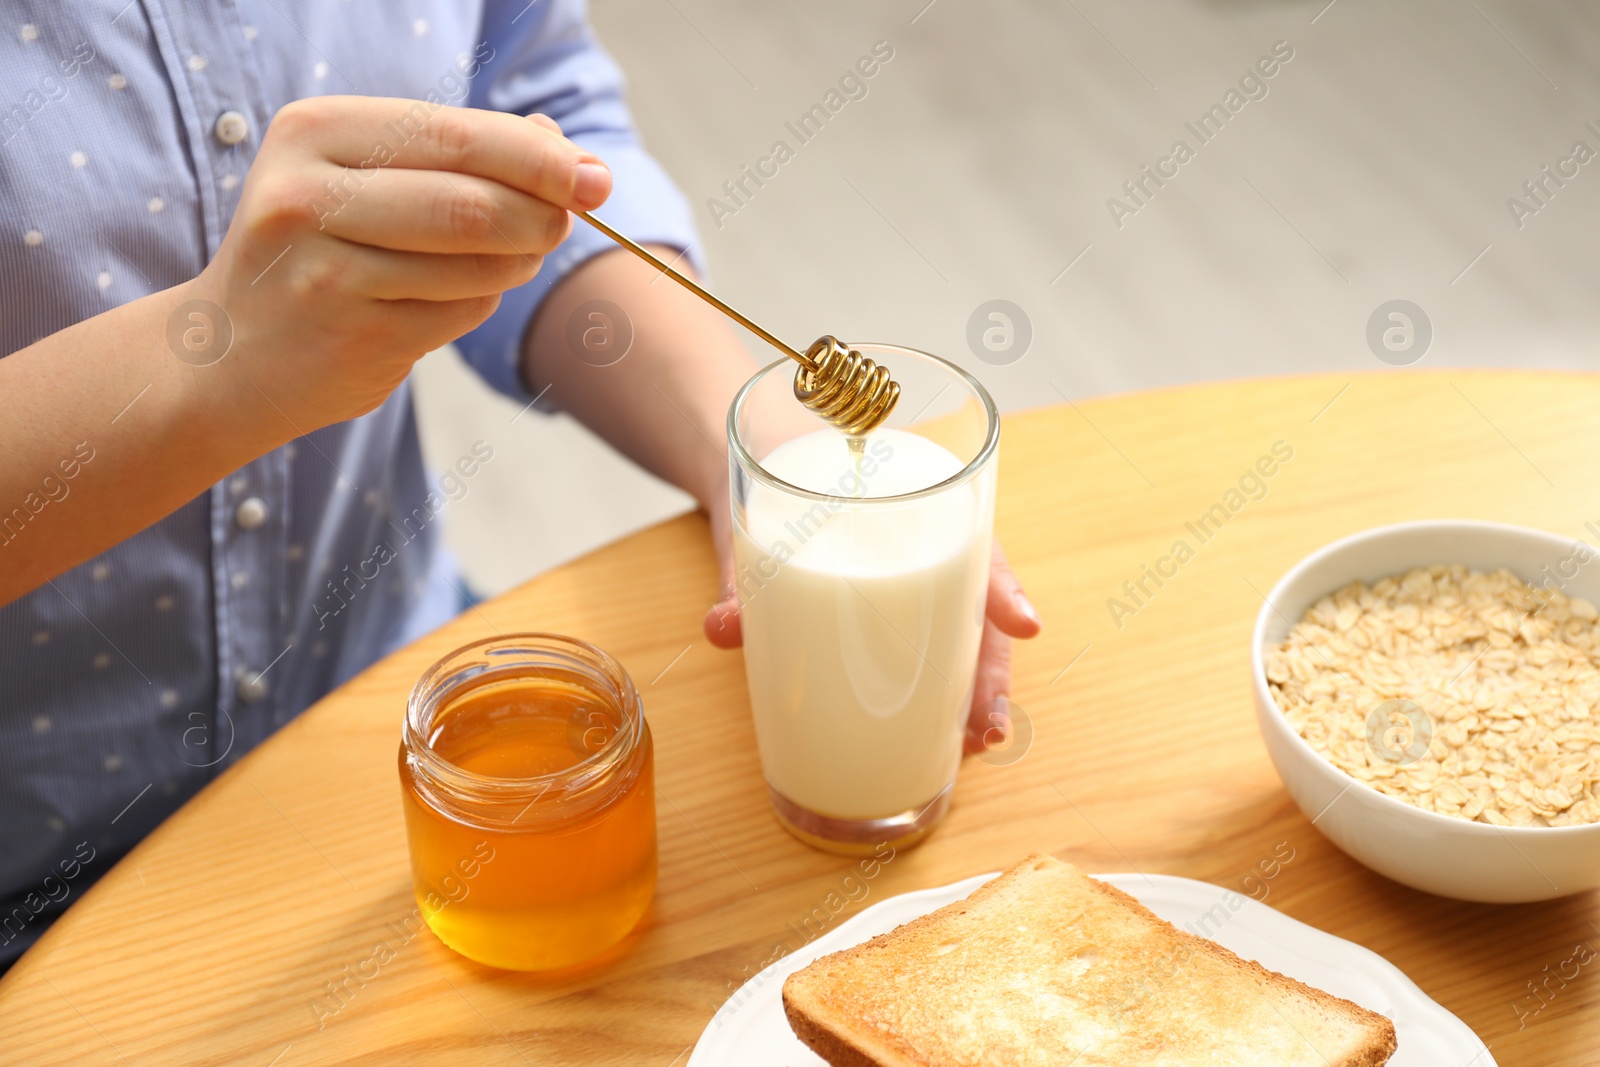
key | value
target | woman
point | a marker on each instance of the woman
(227, 232)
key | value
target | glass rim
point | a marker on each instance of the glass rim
(424, 699)
(991, 442)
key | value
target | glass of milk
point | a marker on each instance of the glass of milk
(863, 569)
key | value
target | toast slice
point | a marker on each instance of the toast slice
(1046, 966)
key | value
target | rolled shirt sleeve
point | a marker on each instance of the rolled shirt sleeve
(546, 59)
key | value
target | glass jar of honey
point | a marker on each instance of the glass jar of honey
(528, 778)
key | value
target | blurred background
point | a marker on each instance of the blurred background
(1386, 158)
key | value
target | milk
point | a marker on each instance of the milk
(862, 620)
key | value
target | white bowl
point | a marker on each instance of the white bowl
(1435, 853)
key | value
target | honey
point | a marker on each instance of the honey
(529, 789)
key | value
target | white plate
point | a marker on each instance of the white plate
(750, 1030)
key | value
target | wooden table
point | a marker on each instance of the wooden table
(214, 940)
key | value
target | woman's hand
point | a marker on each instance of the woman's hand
(371, 231)
(1008, 614)
(368, 231)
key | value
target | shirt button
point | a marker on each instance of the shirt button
(232, 127)
(252, 687)
(250, 513)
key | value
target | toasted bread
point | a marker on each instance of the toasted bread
(1046, 966)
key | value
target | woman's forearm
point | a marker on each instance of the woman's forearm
(104, 430)
(331, 309)
(664, 403)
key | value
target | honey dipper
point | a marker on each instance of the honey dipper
(836, 382)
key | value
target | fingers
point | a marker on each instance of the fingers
(370, 133)
(723, 625)
(1008, 613)
(383, 274)
(431, 323)
(546, 121)
(1008, 607)
(432, 211)
(988, 726)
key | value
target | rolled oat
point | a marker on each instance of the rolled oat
(1464, 693)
